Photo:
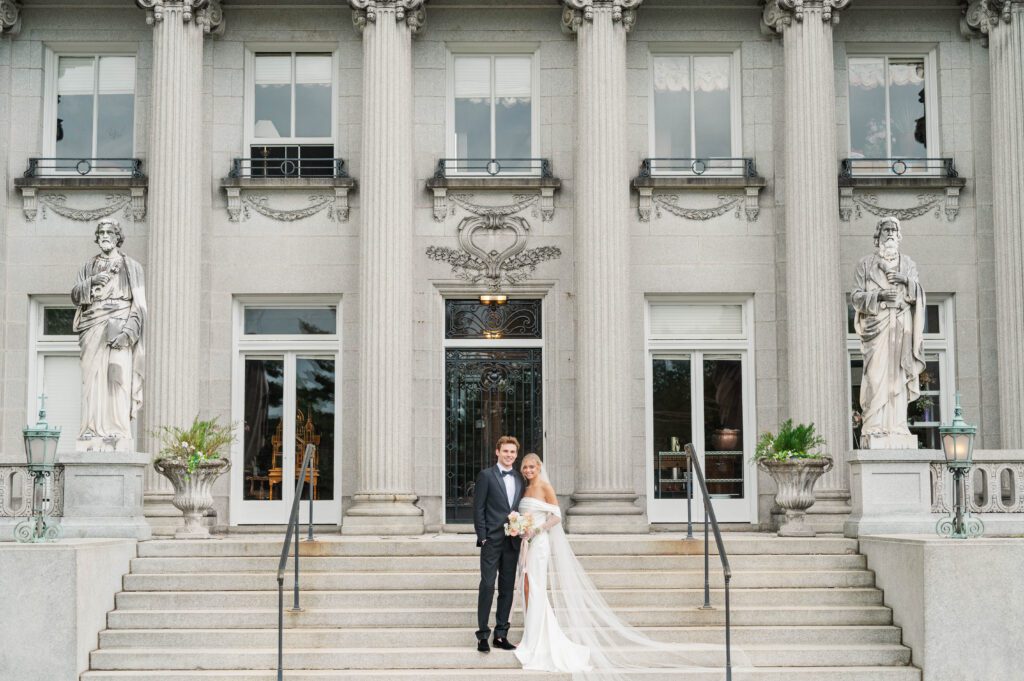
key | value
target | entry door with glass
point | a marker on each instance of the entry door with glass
(698, 397)
(287, 399)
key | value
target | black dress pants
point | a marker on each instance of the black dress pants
(498, 558)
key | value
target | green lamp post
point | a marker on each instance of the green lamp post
(958, 448)
(41, 454)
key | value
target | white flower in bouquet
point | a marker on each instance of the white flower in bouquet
(518, 524)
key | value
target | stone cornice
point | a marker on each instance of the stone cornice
(981, 16)
(207, 13)
(409, 11)
(780, 14)
(10, 17)
(578, 11)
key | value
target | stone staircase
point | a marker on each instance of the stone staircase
(404, 608)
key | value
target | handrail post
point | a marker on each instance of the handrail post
(309, 536)
(728, 636)
(295, 606)
(707, 580)
(280, 629)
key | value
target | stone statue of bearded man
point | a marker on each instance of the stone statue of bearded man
(889, 308)
(109, 321)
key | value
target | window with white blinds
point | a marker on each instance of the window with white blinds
(493, 107)
(56, 370)
(696, 320)
(95, 109)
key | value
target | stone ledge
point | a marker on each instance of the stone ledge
(338, 206)
(440, 185)
(902, 182)
(751, 185)
(134, 204)
(952, 187)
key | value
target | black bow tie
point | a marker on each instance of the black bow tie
(504, 473)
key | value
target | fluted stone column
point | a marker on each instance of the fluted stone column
(816, 318)
(605, 495)
(1002, 24)
(175, 219)
(384, 502)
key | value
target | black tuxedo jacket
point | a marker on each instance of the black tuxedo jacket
(490, 503)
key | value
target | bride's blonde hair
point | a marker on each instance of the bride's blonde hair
(532, 456)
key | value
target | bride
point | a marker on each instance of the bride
(568, 626)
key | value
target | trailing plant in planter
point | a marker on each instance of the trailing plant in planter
(789, 456)
(191, 459)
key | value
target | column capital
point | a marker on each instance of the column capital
(779, 15)
(207, 13)
(578, 11)
(410, 11)
(981, 16)
(10, 17)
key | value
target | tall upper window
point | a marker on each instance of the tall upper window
(95, 109)
(493, 110)
(694, 109)
(888, 107)
(292, 113)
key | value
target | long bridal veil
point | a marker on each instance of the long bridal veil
(616, 648)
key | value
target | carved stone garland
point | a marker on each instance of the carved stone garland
(851, 205)
(133, 204)
(497, 268)
(240, 207)
(670, 202)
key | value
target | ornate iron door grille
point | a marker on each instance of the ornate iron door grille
(490, 393)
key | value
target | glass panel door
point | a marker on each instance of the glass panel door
(289, 401)
(698, 398)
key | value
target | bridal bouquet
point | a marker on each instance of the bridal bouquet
(518, 525)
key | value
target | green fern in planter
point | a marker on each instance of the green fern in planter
(792, 442)
(199, 443)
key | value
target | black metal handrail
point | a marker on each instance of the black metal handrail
(709, 514)
(493, 167)
(70, 166)
(698, 166)
(849, 167)
(292, 531)
(267, 167)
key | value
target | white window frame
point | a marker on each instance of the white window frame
(735, 104)
(931, 101)
(241, 511)
(251, 49)
(727, 510)
(942, 344)
(492, 50)
(41, 347)
(51, 57)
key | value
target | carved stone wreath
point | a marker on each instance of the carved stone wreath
(497, 267)
(133, 205)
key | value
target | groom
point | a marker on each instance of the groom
(498, 491)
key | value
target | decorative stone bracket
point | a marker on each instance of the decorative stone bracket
(42, 194)
(938, 194)
(325, 194)
(544, 187)
(728, 200)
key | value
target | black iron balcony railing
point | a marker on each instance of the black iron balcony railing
(288, 167)
(698, 166)
(934, 167)
(493, 167)
(81, 167)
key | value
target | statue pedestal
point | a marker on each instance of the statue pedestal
(105, 444)
(103, 494)
(893, 441)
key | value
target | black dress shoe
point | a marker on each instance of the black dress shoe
(482, 646)
(503, 644)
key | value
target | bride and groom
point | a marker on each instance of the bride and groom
(585, 638)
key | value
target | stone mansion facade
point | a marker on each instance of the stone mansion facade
(671, 195)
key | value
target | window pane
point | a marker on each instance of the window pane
(75, 87)
(313, 95)
(290, 320)
(62, 385)
(867, 108)
(513, 121)
(262, 438)
(906, 106)
(676, 319)
(672, 107)
(712, 106)
(856, 378)
(115, 126)
(58, 321)
(117, 75)
(933, 319)
(272, 100)
(673, 425)
(723, 424)
(473, 107)
(314, 423)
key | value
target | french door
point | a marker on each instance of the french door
(289, 400)
(699, 397)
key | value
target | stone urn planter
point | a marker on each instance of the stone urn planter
(795, 479)
(193, 492)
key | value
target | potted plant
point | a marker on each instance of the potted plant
(788, 457)
(190, 459)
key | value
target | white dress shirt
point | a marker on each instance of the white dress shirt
(510, 485)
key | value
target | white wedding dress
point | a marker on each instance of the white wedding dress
(569, 627)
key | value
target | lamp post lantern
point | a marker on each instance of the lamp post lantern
(958, 448)
(40, 454)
